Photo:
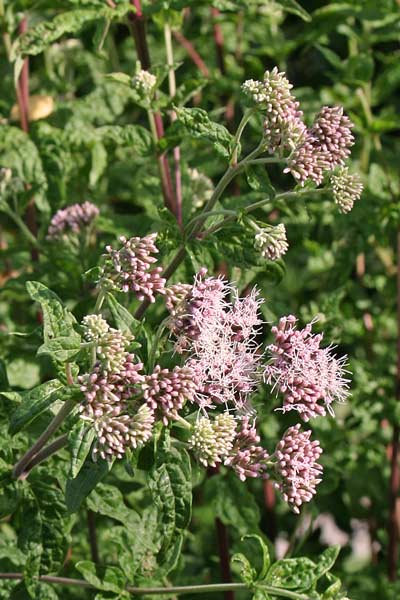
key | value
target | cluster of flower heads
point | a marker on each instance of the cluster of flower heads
(73, 219)
(283, 124)
(314, 151)
(271, 241)
(131, 268)
(215, 333)
(120, 402)
(346, 188)
(309, 377)
(144, 82)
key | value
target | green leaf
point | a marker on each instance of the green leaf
(99, 163)
(39, 37)
(124, 320)
(258, 179)
(247, 574)
(61, 349)
(107, 500)
(80, 441)
(234, 504)
(35, 402)
(58, 321)
(292, 574)
(108, 579)
(199, 125)
(120, 78)
(291, 6)
(77, 489)
(326, 560)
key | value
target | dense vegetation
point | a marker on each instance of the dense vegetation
(199, 221)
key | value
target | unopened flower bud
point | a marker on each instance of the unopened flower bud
(346, 188)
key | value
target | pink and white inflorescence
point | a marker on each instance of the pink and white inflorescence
(165, 392)
(283, 124)
(309, 377)
(296, 467)
(220, 338)
(73, 219)
(130, 269)
(247, 458)
(323, 147)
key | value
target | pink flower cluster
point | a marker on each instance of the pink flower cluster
(247, 458)
(165, 392)
(309, 377)
(130, 269)
(297, 469)
(323, 147)
(220, 338)
(71, 219)
(283, 123)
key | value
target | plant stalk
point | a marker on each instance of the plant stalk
(393, 524)
(179, 590)
(45, 453)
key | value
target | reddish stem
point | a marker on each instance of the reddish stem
(192, 52)
(137, 21)
(223, 546)
(23, 103)
(393, 524)
(218, 40)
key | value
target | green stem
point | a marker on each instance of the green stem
(236, 142)
(267, 160)
(158, 591)
(260, 204)
(99, 302)
(157, 338)
(211, 213)
(182, 421)
(24, 229)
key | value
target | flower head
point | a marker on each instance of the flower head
(212, 439)
(272, 242)
(110, 343)
(116, 434)
(346, 189)
(72, 219)
(130, 268)
(165, 392)
(201, 188)
(144, 82)
(283, 123)
(297, 469)
(323, 147)
(247, 458)
(309, 377)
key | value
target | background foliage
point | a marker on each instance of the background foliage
(96, 145)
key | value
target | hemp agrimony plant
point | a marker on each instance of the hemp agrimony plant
(158, 360)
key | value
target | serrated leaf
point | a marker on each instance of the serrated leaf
(234, 504)
(80, 441)
(247, 574)
(77, 489)
(199, 125)
(326, 560)
(107, 500)
(61, 349)
(58, 321)
(108, 579)
(39, 37)
(34, 403)
(292, 574)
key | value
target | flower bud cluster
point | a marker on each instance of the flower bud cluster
(165, 392)
(247, 458)
(309, 377)
(323, 147)
(283, 124)
(271, 241)
(212, 439)
(201, 188)
(130, 269)
(297, 469)
(110, 343)
(144, 82)
(346, 189)
(72, 219)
